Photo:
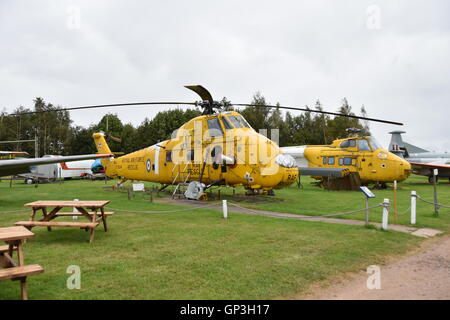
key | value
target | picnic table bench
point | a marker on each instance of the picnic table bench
(13, 270)
(92, 210)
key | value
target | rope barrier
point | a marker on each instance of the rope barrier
(215, 204)
(432, 202)
(404, 211)
(165, 211)
(322, 216)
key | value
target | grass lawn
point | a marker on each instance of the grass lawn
(197, 254)
(312, 200)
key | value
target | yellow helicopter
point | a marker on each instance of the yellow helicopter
(215, 149)
(209, 150)
(361, 156)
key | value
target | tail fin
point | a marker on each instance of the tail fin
(102, 147)
(100, 142)
(400, 147)
(397, 146)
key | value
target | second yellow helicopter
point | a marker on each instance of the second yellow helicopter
(362, 156)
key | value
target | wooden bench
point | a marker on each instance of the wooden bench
(91, 210)
(6, 249)
(77, 214)
(82, 225)
(21, 273)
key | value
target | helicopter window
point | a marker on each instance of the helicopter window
(348, 144)
(345, 161)
(214, 127)
(330, 160)
(363, 145)
(190, 155)
(324, 160)
(227, 123)
(345, 144)
(235, 121)
(374, 143)
(239, 122)
(243, 121)
(168, 156)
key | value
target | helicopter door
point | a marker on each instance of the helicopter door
(365, 159)
(196, 170)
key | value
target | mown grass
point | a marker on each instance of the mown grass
(193, 254)
(314, 201)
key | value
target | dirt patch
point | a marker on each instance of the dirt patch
(422, 274)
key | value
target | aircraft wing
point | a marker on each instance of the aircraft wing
(17, 166)
(425, 168)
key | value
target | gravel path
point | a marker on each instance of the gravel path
(423, 274)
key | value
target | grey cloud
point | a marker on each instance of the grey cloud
(294, 52)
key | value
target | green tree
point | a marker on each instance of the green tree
(256, 115)
(163, 125)
(339, 125)
(111, 125)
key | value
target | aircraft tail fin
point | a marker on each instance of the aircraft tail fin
(100, 143)
(102, 147)
(400, 147)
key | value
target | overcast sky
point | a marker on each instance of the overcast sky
(391, 56)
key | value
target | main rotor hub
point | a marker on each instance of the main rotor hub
(208, 107)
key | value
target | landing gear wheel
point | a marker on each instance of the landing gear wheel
(271, 193)
(431, 179)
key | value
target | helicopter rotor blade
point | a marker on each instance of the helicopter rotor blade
(108, 105)
(319, 111)
(202, 92)
(109, 136)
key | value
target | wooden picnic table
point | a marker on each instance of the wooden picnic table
(92, 210)
(16, 270)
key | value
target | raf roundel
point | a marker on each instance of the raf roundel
(149, 165)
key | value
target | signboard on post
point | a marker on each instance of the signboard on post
(138, 187)
(369, 195)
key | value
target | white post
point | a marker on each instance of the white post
(413, 207)
(385, 214)
(435, 178)
(75, 211)
(225, 209)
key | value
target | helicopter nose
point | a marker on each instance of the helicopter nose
(407, 169)
(404, 170)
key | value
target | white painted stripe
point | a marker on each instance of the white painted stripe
(157, 160)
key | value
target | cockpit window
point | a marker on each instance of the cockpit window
(227, 123)
(238, 122)
(363, 145)
(348, 143)
(214, 127)
(243, 121)
(374, 143)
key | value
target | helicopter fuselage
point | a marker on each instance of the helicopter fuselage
(218, 149)
(364, 156)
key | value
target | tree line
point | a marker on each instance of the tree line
(57, 134)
